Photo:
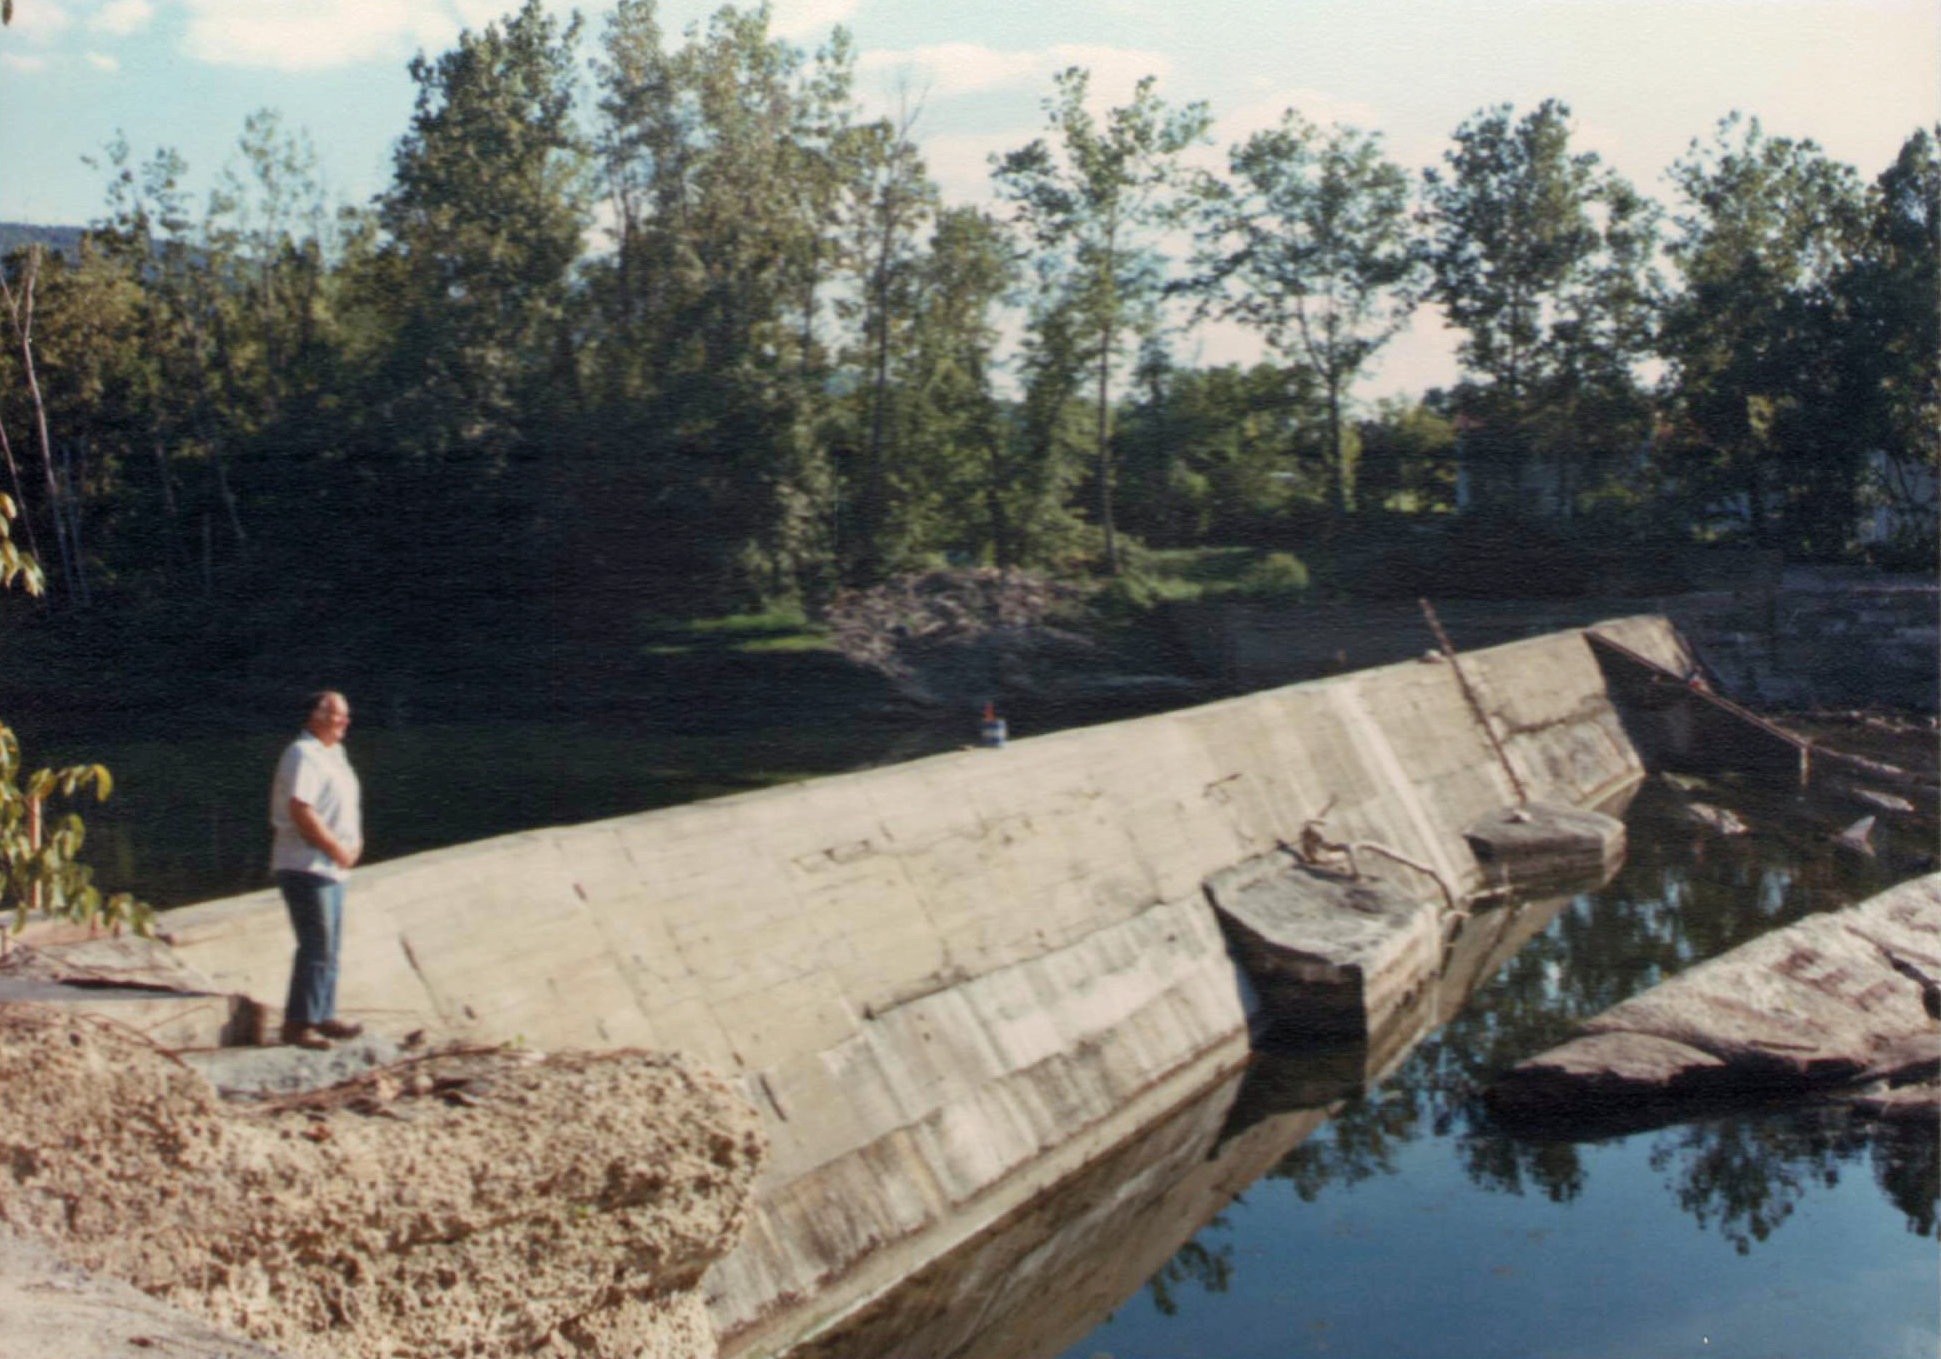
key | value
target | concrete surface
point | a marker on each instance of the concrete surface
(1332, 957)
(52, 1310)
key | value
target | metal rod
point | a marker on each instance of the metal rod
(1475, 705)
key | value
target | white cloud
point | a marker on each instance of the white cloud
(39, 21)
(101, 61)
(955, 68)
(1317, 106)
(809, 18)
(296, 37)
(300, 35)
(122, 17)
(20, 63)
(476, 14)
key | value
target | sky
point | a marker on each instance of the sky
(1643, 78)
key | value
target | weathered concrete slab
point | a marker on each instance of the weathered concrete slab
(1832, 1002)
(289, 1070)
(141, 985)
(1540, 845)
(1679, 723)
(1332, 957)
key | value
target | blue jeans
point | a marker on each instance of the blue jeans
(316, 906)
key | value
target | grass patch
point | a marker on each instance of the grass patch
(1189, 572)
(782, 629)
(1168, 575)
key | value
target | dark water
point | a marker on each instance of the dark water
(1364, 1204)
(189, 819)
(1409, 1225)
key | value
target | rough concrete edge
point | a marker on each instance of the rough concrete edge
(50, 1309)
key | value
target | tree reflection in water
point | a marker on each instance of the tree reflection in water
(1682, 896)
(1194, 1263)
(1744, 1176)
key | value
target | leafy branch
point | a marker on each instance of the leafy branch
(40, 865)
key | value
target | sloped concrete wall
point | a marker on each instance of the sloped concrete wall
(951, 982)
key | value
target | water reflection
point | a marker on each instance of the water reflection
(1149, 1216)
(1224, 1224)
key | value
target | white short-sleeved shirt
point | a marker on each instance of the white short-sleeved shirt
(320, 777)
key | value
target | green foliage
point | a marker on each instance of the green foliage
(448, 435)
(1767, 380)
(1221, 454)
(483, 224)
(1543, 258)
(40, 862)
(1312, 247)
(779, 628)
(1408, 459)
(1278, 575)
(1092, 204)
(725, 160)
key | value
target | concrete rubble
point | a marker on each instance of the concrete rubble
(462, 1201)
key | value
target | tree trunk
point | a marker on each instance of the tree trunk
(1105, 452)
(22, 313)
(1344, 499)
(13, 470)
(71, 484)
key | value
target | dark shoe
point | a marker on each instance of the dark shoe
(306, 1036)
(339, 1028)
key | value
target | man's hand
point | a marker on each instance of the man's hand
(304, 817)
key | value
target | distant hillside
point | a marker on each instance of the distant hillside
(60, 240)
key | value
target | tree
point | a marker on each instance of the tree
(1311, 245)
(1895, 336)
(1221, 454)
(1543, 257)
(1039, 460)
(886, 198)
(720, 158)
(1407, 457)
(482, 223)
(1092, 204)
(953, 489)
(1762, 397)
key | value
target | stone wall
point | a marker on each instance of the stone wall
(946, 984)
(1827, 639)
(1821, 638)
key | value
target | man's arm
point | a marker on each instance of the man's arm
(304, 817)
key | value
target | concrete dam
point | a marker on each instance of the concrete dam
(951, 984)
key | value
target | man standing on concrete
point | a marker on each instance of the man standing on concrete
(316, 814)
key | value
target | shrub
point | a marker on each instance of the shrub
(1277, 574)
